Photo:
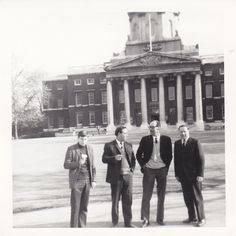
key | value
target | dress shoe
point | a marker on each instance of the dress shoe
(130, 226)
(160, 222)
(200, 223)
(189, 221)
(145, 223)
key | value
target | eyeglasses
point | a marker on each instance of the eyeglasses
(153, 127)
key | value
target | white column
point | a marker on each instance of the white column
(144, 124)
(198, 102)
(162, 103)
(180, 119)
(127, 104)
(110, 114)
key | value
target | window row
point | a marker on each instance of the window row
(209, 90)
(137, 95)
(172, 93)
(92, 118)
(209, 72)
(79, 120)
(90, 81)
(210, 112)
(91, 98)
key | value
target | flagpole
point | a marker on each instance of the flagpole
(150, 31)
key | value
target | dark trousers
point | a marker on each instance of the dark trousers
(192, 191)
(79, 204)
(149, 177)
(122, 188)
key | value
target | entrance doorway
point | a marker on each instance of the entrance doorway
(172, 116)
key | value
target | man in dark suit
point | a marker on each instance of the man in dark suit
(189, 171)
(154, 155)
(120, 160)
(80, 162)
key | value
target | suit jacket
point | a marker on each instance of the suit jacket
(189, 161)
(113, 166)
(73, 163)
(145, 148)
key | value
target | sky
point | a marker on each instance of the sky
(54, 35)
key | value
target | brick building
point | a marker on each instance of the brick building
(158, 79)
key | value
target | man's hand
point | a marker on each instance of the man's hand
(118, 157)
(199, 178)
(177, 178)
(94, 184)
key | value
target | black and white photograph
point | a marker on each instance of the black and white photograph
(118, 115)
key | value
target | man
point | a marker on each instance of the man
(189, 170)
(80, 162)
(154, 155)
(120, 160)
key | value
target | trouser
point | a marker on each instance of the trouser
(123, 188)
(149, 177)
(79, 204)
(192, 192)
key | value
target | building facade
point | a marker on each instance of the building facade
(156, 77)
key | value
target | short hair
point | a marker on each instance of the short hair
(119, 130)
(155, 123)
(82, 133)
(181, 126)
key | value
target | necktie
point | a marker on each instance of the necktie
(155, 155)
(121, 146)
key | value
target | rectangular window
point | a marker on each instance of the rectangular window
(189, 115)
(60, 122)
(90, 81)
(104, 97)
(79, 118)
(92, 118)
(103, 81)
(50, 122)
(60, 103)
(154, 94)
(78, 98)
(208, 88)
(77, 82)
(209, 112)
(208, 72)
(91, 98)
(221, 70)
(104, 117)
(189, 91)
(171, 93)
(121, 96)
(137, 95)
(59, 86)
(222, 90)
(122, 117)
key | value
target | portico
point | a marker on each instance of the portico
(154, 84)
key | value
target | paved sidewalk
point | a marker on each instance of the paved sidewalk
(99, 214)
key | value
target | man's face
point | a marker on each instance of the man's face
(154, 130)
(184, 132)
(82, 141)
(123, 136)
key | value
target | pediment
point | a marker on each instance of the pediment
(150, 59)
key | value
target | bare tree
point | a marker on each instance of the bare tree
(26, 98)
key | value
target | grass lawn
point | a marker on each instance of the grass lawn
(40, 181)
